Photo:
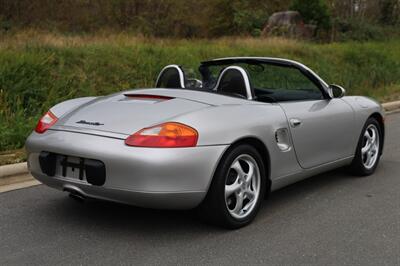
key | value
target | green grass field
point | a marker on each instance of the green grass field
(38, 69)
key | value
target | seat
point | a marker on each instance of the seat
(171, 76)
(235, 81)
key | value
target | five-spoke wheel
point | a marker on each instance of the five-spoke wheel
(242, 187)
(237, 188)
(369, 149)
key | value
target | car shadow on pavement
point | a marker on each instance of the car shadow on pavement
(300, 191)
(124, 218)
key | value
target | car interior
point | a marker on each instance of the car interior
(254, 81)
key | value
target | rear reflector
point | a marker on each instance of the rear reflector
(148, 96)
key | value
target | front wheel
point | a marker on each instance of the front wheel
(368, 150)
(237, 189)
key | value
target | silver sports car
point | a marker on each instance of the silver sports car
(218, 142)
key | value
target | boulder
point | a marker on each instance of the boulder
(288, 24)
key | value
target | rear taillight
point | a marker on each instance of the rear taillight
(45, 122)
(167, 135)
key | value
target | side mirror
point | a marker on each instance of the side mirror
(336, 91)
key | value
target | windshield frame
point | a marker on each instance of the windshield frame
(320, 83)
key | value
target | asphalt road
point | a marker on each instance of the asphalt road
(330, 219)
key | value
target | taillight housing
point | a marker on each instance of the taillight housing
(167, 135)
(47, 120)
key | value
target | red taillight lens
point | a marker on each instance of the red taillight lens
(45, 122)
(167, 135)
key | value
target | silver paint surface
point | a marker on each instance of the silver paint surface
(179, 178)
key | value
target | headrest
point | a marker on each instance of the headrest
(171, 76)
(234, 80)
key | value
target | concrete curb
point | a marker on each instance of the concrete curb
(391, 106)
(13, 169)
(21, 168)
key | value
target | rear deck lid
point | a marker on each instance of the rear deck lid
(126, 113)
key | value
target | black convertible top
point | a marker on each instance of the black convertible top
(249, 60)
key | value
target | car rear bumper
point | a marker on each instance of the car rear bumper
(148, 177)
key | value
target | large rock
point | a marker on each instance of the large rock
(288, 24)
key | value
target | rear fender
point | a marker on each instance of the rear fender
(68, 106)
(228, 124)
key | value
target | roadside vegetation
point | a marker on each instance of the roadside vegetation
(38, 70)
(52, 51)
(336, 20)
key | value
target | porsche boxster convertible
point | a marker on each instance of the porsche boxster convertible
(217, 142)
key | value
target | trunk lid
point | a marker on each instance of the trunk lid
(124, 114)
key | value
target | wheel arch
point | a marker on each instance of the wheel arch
(261, 147)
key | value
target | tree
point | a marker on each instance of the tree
(314, 12)
(389, 10)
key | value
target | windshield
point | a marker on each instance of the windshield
(269, 82)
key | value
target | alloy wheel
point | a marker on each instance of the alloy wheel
(242, 186)
(370, 147)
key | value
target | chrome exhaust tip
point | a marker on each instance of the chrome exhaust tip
(75, 194)
(77, 197)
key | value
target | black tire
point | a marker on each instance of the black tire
(214, 208)
(357, 166)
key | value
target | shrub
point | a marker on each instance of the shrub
(354, 29)
(314, 12)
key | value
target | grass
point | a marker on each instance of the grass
(38, 69)
(13, 156)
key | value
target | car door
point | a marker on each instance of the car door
(321, 127)
(320, 130)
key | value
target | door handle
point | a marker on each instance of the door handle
(294, 122)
